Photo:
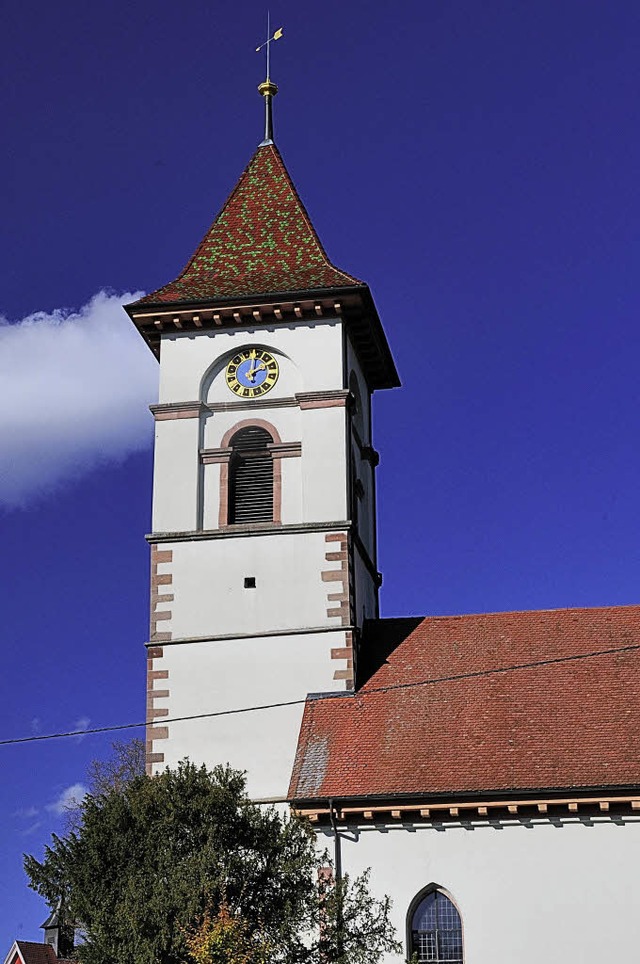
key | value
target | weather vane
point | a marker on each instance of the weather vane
(268, 89)
(268, 42)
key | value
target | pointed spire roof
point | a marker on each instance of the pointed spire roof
(262, 242)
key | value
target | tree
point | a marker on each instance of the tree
(126, 762)
(183, 867)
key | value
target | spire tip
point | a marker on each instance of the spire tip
(268, 90)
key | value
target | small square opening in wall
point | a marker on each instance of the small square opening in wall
(249, 582)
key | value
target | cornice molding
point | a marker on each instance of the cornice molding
(215, 456)
(323, 399)
(242, 531)
(352, 305)
(453, 810)
(285, 450)
(170, 410)
(279, 450)
(327, 399)
(294, 631)
(249, 405)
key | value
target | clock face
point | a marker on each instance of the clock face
(252, 372)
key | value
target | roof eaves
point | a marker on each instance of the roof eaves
(453, 796)
(258, 297)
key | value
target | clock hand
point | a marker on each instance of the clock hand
(251, 373)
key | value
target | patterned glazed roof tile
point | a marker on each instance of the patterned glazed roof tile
(262, 242)
(512, 705)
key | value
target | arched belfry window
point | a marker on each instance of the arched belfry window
(435, 930)
(251, 476)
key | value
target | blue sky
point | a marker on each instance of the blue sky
(475, 163)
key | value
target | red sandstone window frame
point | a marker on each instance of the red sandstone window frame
(223, 515)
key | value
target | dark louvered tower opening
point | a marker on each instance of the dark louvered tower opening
(251, 477)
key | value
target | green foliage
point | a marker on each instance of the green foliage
(227, 938)
(127, 761)
(183, 867)
(354, 927)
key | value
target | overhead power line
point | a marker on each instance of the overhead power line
(362, 694)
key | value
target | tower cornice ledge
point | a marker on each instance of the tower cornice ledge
(353, 305)
(169, 410)
(260, 634)
(253, 529)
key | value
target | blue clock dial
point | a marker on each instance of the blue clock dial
(252, 372)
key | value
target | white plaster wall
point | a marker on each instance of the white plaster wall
(214, 387)
(175, 475)
(186, 359)
(558, 893)
(353, 365)
(208, 585)
(368, 476)
(366, 504)
(292, 507)
(186, 496)
(324, 466)
(365, 591)
(314, 484)
(286, 421)
(231, 674)
(210, 496)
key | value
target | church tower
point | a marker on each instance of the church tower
(263, 549)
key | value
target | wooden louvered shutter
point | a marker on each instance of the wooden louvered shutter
(251, 477)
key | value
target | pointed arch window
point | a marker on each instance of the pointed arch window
(435, 929)
(251, 476)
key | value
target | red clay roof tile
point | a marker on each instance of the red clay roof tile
(261, 242)
(512, 701)
(34, 953)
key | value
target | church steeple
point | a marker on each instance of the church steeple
(264, 556)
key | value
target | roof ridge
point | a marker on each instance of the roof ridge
(627, 607)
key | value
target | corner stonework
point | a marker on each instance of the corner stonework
(160, 582)
(339, 600)
(157, 678)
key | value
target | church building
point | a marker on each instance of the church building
(487, 767)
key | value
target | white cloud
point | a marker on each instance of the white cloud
(74, 391)
(32, 829)
(69, 799)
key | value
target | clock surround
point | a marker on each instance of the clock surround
(252, 372)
